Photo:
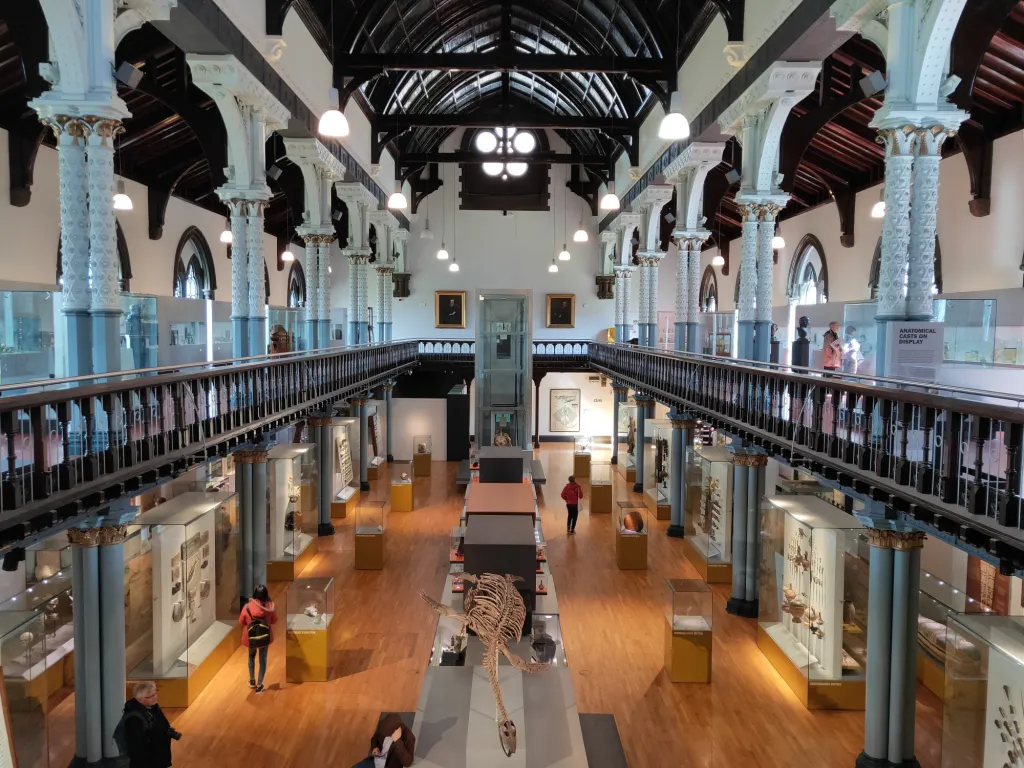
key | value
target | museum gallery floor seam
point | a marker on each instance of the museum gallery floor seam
(612, 625)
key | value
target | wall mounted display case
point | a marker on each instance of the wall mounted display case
(377, 448)
(860, 338)
(223, 330)
(23, 650)
(657, 466)
(308, 630)
(401, 486)
(707, 522)
(292, 514)
(581, 453)
(27, 339)
(631, 536)
(717, 330)
(422, 450)
(968, 329)
(688, 632)
(140, 337)
(933, 641)
(345, 463)
(181, 593)
(627, 426)
(546, 640)
(371, 519)
(601, 487)
(812, 601)
(285, 330)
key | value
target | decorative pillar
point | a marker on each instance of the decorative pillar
(243, 484)
(747, 276)
(921, 265)
(353, 299)
(765, 262)
(257, 280)
(642, 404)
(97, 556)
(239, 278)
(383, 302)
(258, 461)
(748, 487)
(312, 309)
(693, 306)
(622, 291)
(324, 292)
(899, 165)
(893, 583)
(105, 292)
(618, 397)
(320, 430)
(682, 294)
(645, 287)
(363, 290)
(654, 264)
(364, 451)
(389, 391)
(683, 425)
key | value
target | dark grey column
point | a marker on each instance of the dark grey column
(85, 580)
(389, 389)
(312, 334)
(618, 397)
(239, 336)
(641, 418)
(364, 450)
(879, 660)
(112, 634)
(755, 490)
(736, 604)
(106, 342)
(79, 343)
(243, 482)
(748, 488)
(682, 438)
(320, 431)
(258, 457)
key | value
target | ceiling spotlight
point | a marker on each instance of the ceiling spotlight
(225, 236)
(427, 234)
(524, 143)
(287, 255)
(718, 260)
(778, 243)
(517, 169)
(397, 201)
(442, 254)
(493, 169)
(504, 177)
(674, 126)
(333, 123)
(563, 255)
(610, 201)
(121, 200)
(486, 141)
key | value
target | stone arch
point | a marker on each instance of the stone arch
(809, 253)
(708, 290)
(124, 261)
(296, 286)
(876, 267)
(193, 253)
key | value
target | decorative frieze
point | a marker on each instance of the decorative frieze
(97, 537)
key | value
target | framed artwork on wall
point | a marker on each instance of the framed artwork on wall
(561, 310)
(449, 309)
(564, 410)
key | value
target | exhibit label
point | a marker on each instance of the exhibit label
(914, 351)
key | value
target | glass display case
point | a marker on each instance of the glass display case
(181, 593)
(688, 632)
(627, 426)
(223, 333)
(812, 600)
(600, 487)
(707, 522)
(582, 447)
(371, 519)
(27, 347)
(546, 646)
(932, 639)
(344, 461)
(23, 649)
(292, 514)
(140, 336)
(631, 536)
(284, 327)
(401, 486)
(377, 430)
(860, 338)
(717, 332)
(307, 642)
(968, 329)
(656, 468)
(422, 446)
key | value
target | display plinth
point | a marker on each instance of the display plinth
(421, 465)
(182, 691)
(630, 475)
(600, 499)
(369, 551)
(711, 572)
(687, 654)
(307, 635)
(375, 468)
(631, 551)
(401, 497)
(581, 465)
(661, 511)
(813, 694)
(343, 507)
(501, 499)
(289, 570)
(308, 656)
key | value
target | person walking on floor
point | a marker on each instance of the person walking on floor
(144, 733)
(256, 619)
(571, 495)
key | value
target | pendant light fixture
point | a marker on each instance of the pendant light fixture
(778, 243)
(333, 122)
(580, 235)
(554, 266)
(287, 254)
(121, 200)
(454, 266)
(610, 201)
(878, 209)
(563, 255)
(442, 254)
(425, 233)
(718, 260)
(397, 201)
(674, 126)
(226, 237)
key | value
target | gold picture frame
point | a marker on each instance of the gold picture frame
(565, 309)
(449, 309)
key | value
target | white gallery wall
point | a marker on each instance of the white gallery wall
(413, 416)
(595, 404)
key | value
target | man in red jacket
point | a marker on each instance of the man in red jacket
(571, 495)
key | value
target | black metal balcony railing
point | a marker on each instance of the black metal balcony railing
(948, 457)
(72, 445)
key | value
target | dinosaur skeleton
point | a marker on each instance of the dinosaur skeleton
(495, 612)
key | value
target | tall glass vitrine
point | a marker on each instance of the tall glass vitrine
(503, 370)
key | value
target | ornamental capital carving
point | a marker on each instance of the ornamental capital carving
(102, 128)
(97, 537)
(683, 423)
(900, 540)
(898, 142)
(72, 126)
(751, 459)
(319, 421)
(358, 401)
(620, 390)
(931, 138)
(770, 210)
(258, 456)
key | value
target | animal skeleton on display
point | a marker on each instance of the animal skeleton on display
(496, 613)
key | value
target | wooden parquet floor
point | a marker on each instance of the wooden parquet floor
(612, 624)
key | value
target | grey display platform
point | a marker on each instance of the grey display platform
(455, 720)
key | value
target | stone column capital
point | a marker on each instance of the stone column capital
(97, 537)
(683, 423)
(899, 540)
(319, 421)
(358, 401)
(750, 460)
(619, 390)
(898, 141)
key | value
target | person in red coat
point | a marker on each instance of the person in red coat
(571, 495)
(257, 619)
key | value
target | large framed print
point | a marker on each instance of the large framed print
(564, 410)
(449, 309)
(561, 310)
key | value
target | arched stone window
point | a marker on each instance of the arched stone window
(709, 290)
(124, 262)
(876, 266)
(194, 274)
(296, 286)
(808, 273)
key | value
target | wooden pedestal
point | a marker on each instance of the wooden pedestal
(308, 656)
(369, 551)
(289, 570)
(342, 509)
(631, 477)
(631, 551)
(813, 694)
(581, 465)
(374, 471)
(712, 573)
(401, 497)
(182, 691)
(600, 499)
(421, 465)
(687, 655)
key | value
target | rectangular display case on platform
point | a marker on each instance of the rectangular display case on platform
(422, 450)
(307, 643)
(707, 521)
(627, 425)
(631, 536)
(371, 519)
(23, 651)
(292, 515)
(812, 601)
(688, 632)
(933, 641)
(657, 468)
(181, 593)
(601, 487)
(345, 463)
(581, 456)
(401, 486)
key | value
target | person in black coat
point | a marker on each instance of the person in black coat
(147, 730)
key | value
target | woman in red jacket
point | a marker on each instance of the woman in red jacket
(256, 619)
(571, 495)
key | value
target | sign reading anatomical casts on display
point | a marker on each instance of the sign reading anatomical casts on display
(914, 351)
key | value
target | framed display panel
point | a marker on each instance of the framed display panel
(401, 486)
(22, 660)
(983, 702)
(688, 631)
(631, 536)
(564, 410)
(345, 465)
(708, 518)
(449, 309)
(371, 519)
(600, 487)
(310, 604)
(656, 468)
(377, 448)
(181, 593)
(422, 450)
(812, 601)
(292, 515)
(627, 460)
(561, 310)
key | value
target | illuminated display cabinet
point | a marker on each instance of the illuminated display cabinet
(307, 643)
(601, 487)
(657, 466)
(627, 426)
(292, 515)
(401, 486)
(708, 516)
(345, 464)
(688, 632)
(421, 455)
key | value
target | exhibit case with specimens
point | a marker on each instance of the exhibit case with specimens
(656, 468)
(23, 650)
(307, 642)
(345, 465)
(707, 521)
(812, 600)
(601, 487)
(377, 429)
(422, 450)
(688, 631)
(581, 457)
(631, 536)
(933, 640)
(292, 515)
(181, 593)
(983, 702)
(371, 519)
(627, 426)
(401, 486)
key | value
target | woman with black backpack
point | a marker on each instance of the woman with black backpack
(256, 619)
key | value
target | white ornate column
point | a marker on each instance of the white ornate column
(747, 275)
(382, 275)
(360, 203)
(353, 296)
(645, 298)
(624, 273)
(925, 206)
(256, 278)
(682, 293)
(649, 204)
(239, 277)
(765, 282)
(654, 262)
(311, 312)
(693, 306)
(620, 283)
(363, 303)
(323, 294)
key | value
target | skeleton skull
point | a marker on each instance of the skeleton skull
(507, 735)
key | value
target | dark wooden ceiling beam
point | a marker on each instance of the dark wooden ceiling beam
(472, 156)
(498, 61)
(978, 149)
(587, 189)
(979, 23)
(422, 186)
(491, 118)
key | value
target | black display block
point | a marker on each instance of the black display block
(801, 353)
(501, 465)
(503, 544)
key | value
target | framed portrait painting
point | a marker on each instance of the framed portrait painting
(561, 308)
(564, 410)
(449, 309)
